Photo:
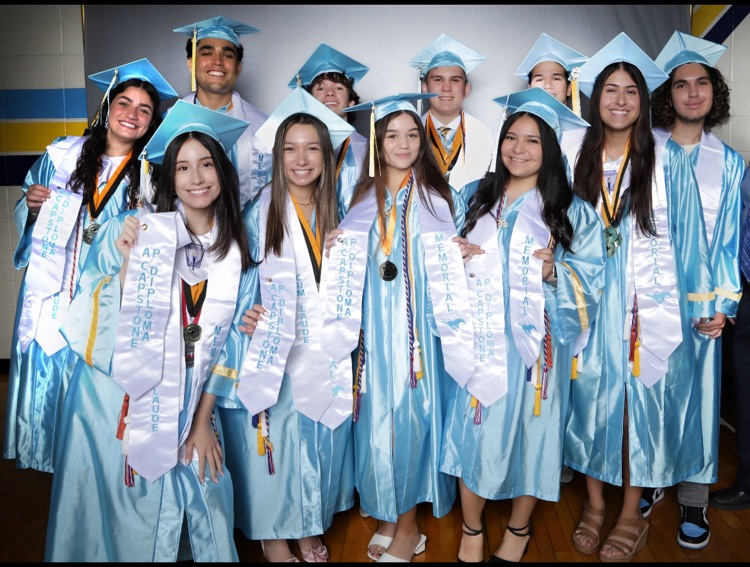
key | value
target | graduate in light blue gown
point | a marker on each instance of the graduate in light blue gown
(329, 76)
(102, 168)
(686, 108)
(402, 211)
(138, 467)
(634, 417)
(504, 430)
(290, 457)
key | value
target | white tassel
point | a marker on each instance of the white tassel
(493, 162)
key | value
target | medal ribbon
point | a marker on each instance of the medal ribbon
(191, 312)
(610, 207)
(342, 154)
(100, 198)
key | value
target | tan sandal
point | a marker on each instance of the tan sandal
(628, 537)
(590, 526)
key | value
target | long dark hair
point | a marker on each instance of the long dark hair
(225, 209)
(663, 114)
(426, 169)
(589, 170)
(89, 164)
(326, 211)
(552, 183)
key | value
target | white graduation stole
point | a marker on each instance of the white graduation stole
(342, 280)
(484, 276)
(317, 380)
(709, 172)
(51, 264)
(449, 290)
(146, 361)
(262, 369)
(526, 301)
(651, 274)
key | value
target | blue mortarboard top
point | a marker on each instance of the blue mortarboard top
(382, 107)
(140, 69)
(299, 100)
(621, 48)
(326, 59)
(683, 48)
(538, 101)
(187, 117)
(446, 52)
(548, 48)
(218, 27)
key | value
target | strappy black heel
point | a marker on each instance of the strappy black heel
(470, 532)
(527, 530)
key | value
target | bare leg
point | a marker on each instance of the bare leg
(407, 536)
(276, 550)
(513, 546)
(595, 489)
(471, 549)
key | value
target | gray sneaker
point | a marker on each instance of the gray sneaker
(566, 476)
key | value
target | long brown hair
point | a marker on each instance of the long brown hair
(326, 210)
(589, 170)
(426, 170)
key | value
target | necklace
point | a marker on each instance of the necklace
(312, 201)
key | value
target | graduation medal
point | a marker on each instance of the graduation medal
(192, 333)
(90, 232)
(612, 239)
(388, 271)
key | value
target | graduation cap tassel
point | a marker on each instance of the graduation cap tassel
(372, 142)
(493, 162)
(193, 86)
(419, 89)
(98, 116)
(574, 91)
(144, 179)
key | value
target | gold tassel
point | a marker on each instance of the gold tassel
(418, 373)
(372, 142)
(637, 360)
(474, 402)
(574, 369)
(193, 86)
(574, 91)
(261, 441)
(538, 388)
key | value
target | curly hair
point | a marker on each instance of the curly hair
(662, 110)
(342, 79)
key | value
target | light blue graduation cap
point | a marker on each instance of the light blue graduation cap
(683, 48)
(446, 52)
(539, 102)
(140, 69)
(219, 28)
(326, 59)
(299, 100)
(381, 108)
(621, 48)
(187, 117)
(548, 48)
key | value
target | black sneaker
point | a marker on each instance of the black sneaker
(694, 531)
(650, 497)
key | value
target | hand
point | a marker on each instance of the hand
(128, 237)
(713, 327)
(548, 267)
(37, 194)
(250, 319)
(203, 442)
(468, 250)
(331, 239)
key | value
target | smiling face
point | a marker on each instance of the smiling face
(130, 114)
(332, 94)
(550, 76)
(692, 92)
(303, 157)
(521, 151)
(401, 145)
(451, 87)
(216, 66)
(196, 180)
(620, 103)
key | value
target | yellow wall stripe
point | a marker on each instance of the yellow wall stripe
(704, 16)
(34, 137)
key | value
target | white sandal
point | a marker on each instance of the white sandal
(381, 540)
